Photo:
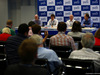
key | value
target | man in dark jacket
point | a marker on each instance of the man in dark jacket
(14, 42)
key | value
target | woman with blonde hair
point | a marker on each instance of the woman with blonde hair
(5, 34)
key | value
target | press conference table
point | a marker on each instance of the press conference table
(53, 30)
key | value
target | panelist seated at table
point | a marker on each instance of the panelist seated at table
(70, 21)
(52, 22)
(87, 21)
(37, 21)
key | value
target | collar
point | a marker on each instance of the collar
(61, 32)
(87, 49)
(72, 20)
(8, 27)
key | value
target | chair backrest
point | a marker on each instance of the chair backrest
(2, 46)
(43, 63)
(62, 51)
(78, 67)
(96, 48)
(77, 39)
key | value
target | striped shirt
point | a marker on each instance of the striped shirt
(61, 39)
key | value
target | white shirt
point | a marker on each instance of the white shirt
(70, 23)
(75, 34)
(54, 22)
(85, 54)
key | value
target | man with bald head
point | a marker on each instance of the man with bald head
(70, 21)
(37, 21)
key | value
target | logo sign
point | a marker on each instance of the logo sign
(95, 13)
(60, 19)
(51, 8)
(77, 19)
(85, 8)
(50, 2)
(84, 12)
(42, 2)
(66, 19)
(76, 2)
(43, 14)
(42, 8)
(59, 13)
(43, 19)
(95, 7)
(50, 12)
(67, 13)
(95, 2)
(77, 13)
(59, 2)
(77, 8)
(67, 8)
(85, 2)
(67, 2)
(95, 19)
(96, 25)
(59, 8)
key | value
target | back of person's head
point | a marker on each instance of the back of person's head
(23, 28)
(37, 38)
(62, 26)
(76, 27)
(28, 51)
(97, 34)
(6, 30)
(36, 29)
(88, 40)
(31, 23)
(9, 22)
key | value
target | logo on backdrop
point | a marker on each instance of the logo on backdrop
(95, 7)
(95, 2)
(95, 19)
(77, 13)
(42, 8)
(84, 12)
(59, 2)
(50, 2)
(85, 8)
(67, 13)
(77, 8)
(67, 2)
(76, 2)
(60, 19)
(85, 2)
(77, 19)
(43, 19)
(67, 8)
(50, 12)
(51, 8)
(95, 13)
(59, 13)
(59, 8)
(43, 14)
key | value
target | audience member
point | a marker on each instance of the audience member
(61, 39)
(52, 22)
(14, 42)
(30, 33)
(5, 34)
(70, 21)
(37, 21)
(46, 53)
(9, 25)
(97, 37)
(87, 21)
(36, 29)
(76, 30)
(27, 53)
(86, 52)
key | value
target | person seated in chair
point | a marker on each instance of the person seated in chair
(27, 53)
(5, 34)
(97, 38)
(46, 53)
(61, 39)
(76, 30)
(87, 21)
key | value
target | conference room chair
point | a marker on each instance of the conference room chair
(96, 49)
(43, 63)
(2, 47)
(78, 67)
(48, 41)
(62, 51)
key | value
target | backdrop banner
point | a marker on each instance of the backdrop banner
(63, 8)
